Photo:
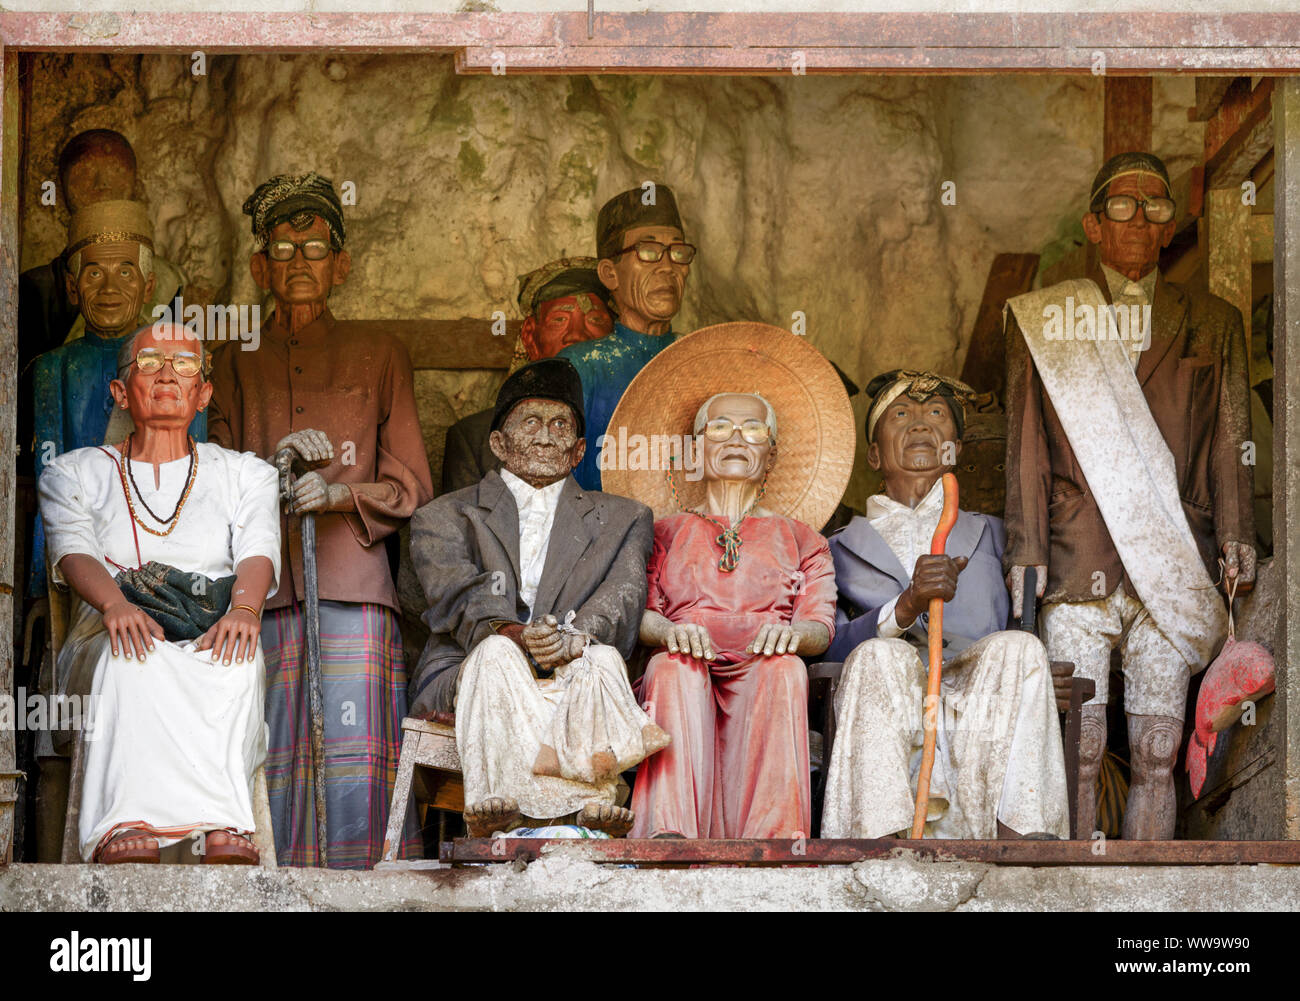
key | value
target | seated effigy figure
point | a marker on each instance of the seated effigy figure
(999, 769)
(170, 548)
(535, 590)
(741, 586)
(563, 303)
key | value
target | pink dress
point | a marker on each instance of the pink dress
(738, 763)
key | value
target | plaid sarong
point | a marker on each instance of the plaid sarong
(364, 685)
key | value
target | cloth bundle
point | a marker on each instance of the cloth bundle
(186, 605)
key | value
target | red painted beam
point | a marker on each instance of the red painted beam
(709, 42)
(784, 852)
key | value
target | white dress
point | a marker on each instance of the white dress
(172, 743)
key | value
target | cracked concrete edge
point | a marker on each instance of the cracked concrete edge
(558, 882)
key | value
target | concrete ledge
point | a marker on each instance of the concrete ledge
(558, 882)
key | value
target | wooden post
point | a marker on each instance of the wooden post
(1128, 115)
(1227, 243)
(1126, 126)
(9, 153)
(1286, 424)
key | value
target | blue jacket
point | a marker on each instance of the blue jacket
(868, 575)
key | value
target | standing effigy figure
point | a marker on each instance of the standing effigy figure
(110, 280)
(999, 767)
(535, 590)
(345, 405)
(741, 587)
(1127, 412)
(644, 262)
(170, 547)
(563, 303)
(97, 165)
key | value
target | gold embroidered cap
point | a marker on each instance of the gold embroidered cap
(110, 222)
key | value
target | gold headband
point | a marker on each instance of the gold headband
(111, 236)
(1134, 170)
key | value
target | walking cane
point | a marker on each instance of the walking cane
(930, 708)
(284, 460)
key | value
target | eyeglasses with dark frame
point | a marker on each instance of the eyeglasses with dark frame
(284, 250)
(652, 251)
(1122, 208)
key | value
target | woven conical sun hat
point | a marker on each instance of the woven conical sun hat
(816, 435)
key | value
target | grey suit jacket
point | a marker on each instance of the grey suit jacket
(465, 547)
(868, 574)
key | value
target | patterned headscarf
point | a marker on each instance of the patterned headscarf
(884, 389)
(285, 195)
(555, 280)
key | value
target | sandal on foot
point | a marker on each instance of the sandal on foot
(229, 848)
(129, 846)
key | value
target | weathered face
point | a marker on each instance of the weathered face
(103, 173)
(163, 398)
(736, 458)
(1135, 244)
(652, 290)
(538, 441)
(564, 321)
(300, 281)
(910, 437)
(109, 287)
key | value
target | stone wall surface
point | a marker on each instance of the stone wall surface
(558, 883)
(821, 195)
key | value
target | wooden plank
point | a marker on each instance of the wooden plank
(1227, 118)
(448, 344)
(986, 358)
(1227, 223)
(10, 132)
(1127, 120)
(1210, 91)
(1261, 239)
(1286, 425)
(786, 851)
(728, 42)
(1239, 136)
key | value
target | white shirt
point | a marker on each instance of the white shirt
(1124, 292)
(536, 516)
(908, 532)
(232, 513)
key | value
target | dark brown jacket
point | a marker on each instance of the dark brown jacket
(1195, 380)
(465, 547)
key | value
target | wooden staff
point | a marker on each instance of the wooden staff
(284, 462)
(930, 708)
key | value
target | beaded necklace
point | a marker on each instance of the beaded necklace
(125, 472)
(729, 538)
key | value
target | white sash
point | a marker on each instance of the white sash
(1128, 466)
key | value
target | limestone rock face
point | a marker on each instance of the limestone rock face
(864, 209)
